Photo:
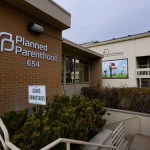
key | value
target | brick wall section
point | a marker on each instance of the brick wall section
(15, 75)
(96, 72)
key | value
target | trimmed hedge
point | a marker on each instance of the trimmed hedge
(133, 99)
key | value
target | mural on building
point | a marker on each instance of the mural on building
(117, 69)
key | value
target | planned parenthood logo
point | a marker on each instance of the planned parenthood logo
(21, 46)
(5, 40)
(107, 53)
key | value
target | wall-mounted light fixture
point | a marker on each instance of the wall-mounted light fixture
(32, 26)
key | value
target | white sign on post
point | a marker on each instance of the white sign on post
(37, 94)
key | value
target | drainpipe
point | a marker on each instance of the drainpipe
(140, 82)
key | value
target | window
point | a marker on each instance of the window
(70, 76)
(143, 62)
(62, 71)
(76, 70)
(81, 70)
(85, 71)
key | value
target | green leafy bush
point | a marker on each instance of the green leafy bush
(15, 120)
(77, 118)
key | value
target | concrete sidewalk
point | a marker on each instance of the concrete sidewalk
(140, 142)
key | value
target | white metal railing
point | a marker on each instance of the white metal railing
(143, 73)
(118, 136)
(119, 132)
(8, 145)
(125, 120)
(70, 141)
(5, 141)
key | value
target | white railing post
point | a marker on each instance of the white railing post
(6, 135)
(70, 141)
(5, 142)
(12, 146)
(118, 135)
(68, 146)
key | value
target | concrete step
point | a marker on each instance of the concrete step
(100, 138)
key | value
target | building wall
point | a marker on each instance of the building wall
(142, 46)
(15, 75)
(135, 123)
(96, 72)
(120, 50)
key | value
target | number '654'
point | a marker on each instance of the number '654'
(31, 63)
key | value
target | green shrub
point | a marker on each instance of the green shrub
(77, 118)
(14, 120)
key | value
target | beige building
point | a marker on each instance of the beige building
(126, 60)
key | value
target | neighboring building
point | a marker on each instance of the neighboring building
(31, 52)
(126, 60)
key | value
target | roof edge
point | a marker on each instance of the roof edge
(57, 5)
(66, 41)
(115, 40)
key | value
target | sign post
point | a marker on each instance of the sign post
(37, 95)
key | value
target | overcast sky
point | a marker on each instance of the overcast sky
(101, 20)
